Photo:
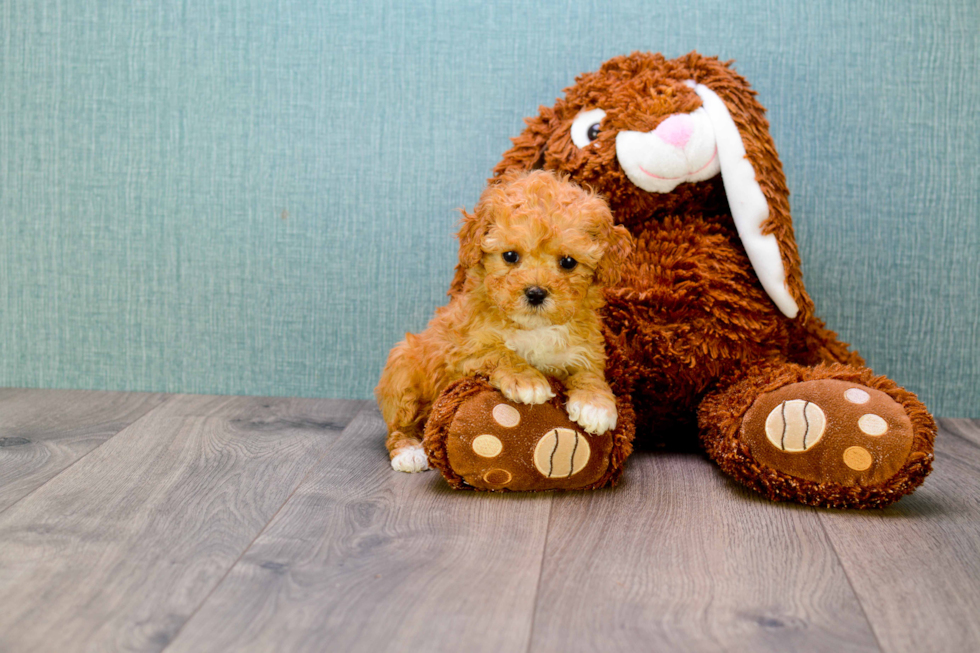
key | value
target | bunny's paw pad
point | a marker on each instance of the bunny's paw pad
(496, 444)
(829, 431)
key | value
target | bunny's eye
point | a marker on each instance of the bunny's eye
(511, 257)
(586, 127)
(567, 262)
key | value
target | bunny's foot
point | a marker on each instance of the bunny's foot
(832, 436)
(480, 440)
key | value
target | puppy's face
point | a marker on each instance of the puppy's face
(534, 277)
(547, 248)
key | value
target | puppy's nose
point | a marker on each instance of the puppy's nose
(535, 295)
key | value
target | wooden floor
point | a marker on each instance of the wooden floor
(146, 522)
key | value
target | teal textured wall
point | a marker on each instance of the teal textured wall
(259, 196)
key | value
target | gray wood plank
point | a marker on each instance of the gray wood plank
(119, 550)
(968, 429)
(916, 565)
(682, 559)
(362, 558)
(44, 431)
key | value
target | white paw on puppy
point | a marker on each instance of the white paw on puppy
(530, 387)
(593, 412)
(410, 459)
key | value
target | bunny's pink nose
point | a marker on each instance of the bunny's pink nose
(676, 130)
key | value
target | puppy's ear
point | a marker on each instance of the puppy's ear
(473, 227)
(610, 268)
(528, 152)
(754, 181)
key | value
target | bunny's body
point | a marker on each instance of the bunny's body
(711, 327)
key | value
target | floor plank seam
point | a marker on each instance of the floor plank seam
(143, 416)
(537, 589)
(262, 530)
(847, 576)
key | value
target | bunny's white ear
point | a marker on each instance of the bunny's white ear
(747, 202)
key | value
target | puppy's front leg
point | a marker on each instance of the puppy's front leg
(591, 403)
(527, 386)
(515, 379)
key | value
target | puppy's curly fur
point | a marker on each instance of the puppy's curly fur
(537, 252)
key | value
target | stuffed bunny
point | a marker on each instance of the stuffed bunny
(710, 334)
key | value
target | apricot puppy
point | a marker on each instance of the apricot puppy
(537, 252)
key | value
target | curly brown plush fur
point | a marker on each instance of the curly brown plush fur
(693, 338)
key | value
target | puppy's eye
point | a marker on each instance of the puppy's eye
(585, 127)
(567, 262)
(511, 257)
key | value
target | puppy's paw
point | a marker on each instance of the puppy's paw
(410, 459)
(593, 411)
(530, 387)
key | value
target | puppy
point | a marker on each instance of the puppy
(537, 252)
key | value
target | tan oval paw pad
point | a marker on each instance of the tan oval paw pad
(857, 458)
(561, 453)
(872, 424)
(497, 477)
(488, 446)
(506, 416)
(795, 425)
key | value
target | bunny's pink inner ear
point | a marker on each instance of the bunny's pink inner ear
(747, 202)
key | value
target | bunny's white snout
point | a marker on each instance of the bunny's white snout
(681, 148)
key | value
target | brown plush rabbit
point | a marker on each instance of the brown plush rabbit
(710, 333)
